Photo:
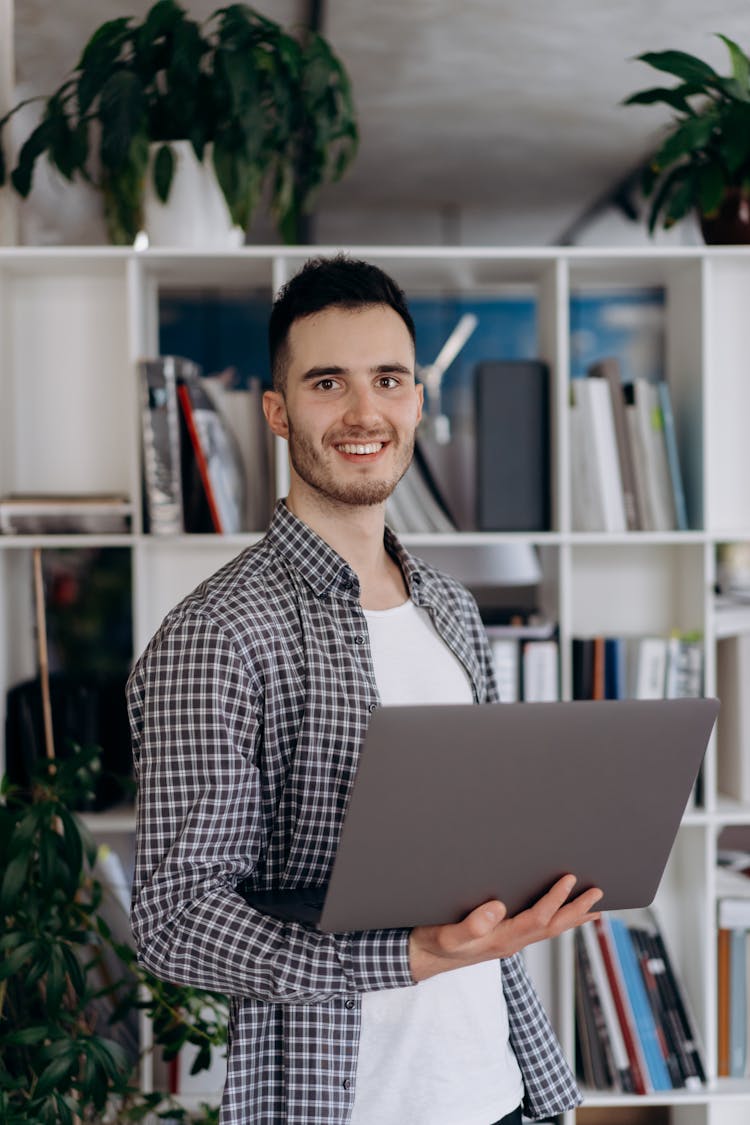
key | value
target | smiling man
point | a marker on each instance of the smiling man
(248, 711)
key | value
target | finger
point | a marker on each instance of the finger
(578, 911)
(555, 898)
(480, 922)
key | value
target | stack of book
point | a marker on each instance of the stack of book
(206, 455)
(59, 514)
(634, 1029)
(527, 661)
(733, 948)
(652, 667)
(625, 465)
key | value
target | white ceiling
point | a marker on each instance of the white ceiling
(505, 106)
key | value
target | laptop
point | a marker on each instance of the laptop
(457, 804)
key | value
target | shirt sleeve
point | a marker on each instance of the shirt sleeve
(197, 724)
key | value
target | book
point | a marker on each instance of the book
(673, 456)
(540, 675)
(597, 1059)
(513, 445)
(684, 671)
(615, 668)
(160, 424)
(505, 656)
(650, 657)
(597, 671)
(595, 459)
(733, 724)
(621, 1064)
(583, 667)
(638, 1069)
(216, 454)
(201, 489)
(675, 1023)
(643, 409)
(241, 409)
(609, 370)
(733, 919)
(33, 513)
(640, 1007)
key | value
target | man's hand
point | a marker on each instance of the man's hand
(487, 933)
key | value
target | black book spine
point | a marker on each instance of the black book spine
(513, 445)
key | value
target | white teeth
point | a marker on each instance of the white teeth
(374, 447)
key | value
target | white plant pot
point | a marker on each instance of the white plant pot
(196, 213)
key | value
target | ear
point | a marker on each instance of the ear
(420, 400)
(274, 408)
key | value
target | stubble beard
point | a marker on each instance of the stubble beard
(318, 475)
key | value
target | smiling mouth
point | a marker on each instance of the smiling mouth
(360, 449)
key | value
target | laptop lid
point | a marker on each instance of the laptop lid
(455, 805)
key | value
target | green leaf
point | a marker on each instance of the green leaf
(36, 143)
(711, 188)
(690, 136)
(676, 97)
(682, 65)
(13, 882)
(122, 112)
(14, 962)
(98, 60)
(667, 185)
(55, 979)
(740, 64)
(53, 1075)
(27, 1036)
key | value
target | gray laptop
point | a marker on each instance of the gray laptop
(455, 805)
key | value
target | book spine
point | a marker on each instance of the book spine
(641, 1079)
(161, 445)
(644, 1021)
(668, 1044)
(673, 457)
(609, 370)
(620, 1058)
(513, 446)
(603, 1073)
(678, 1017)
(724, 999)
(200, 458)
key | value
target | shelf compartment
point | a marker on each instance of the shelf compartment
(66, 384)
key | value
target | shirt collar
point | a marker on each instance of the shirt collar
(323, 569)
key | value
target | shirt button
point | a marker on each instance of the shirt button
(372, 707)
(359, 640)
(347, 1083)
(349, 1004)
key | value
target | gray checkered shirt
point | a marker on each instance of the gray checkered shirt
(248, 710)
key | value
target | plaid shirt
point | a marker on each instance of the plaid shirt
(248, 710)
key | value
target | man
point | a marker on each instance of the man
(248, 711)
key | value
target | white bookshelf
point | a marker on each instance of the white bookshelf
(74, 321)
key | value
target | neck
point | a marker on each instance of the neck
(355, 533)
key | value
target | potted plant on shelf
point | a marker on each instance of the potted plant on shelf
(262, 108)
(70, 987)
(703, 164)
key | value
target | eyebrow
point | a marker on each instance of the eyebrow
(327, 370)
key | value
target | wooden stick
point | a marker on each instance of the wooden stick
(41, 639)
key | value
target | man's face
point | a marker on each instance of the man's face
(351, 405)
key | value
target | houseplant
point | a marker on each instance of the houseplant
(704, 162)
(268, 109)
(69, 988)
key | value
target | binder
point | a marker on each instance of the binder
(513, 445)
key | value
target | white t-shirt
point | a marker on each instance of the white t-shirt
(436, 1053)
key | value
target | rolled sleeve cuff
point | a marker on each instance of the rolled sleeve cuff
(377, 959)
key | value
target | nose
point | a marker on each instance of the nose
(361, 407)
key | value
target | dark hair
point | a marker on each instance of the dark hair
(323, 283)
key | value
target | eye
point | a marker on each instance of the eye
(327, 384)
(388, 381)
